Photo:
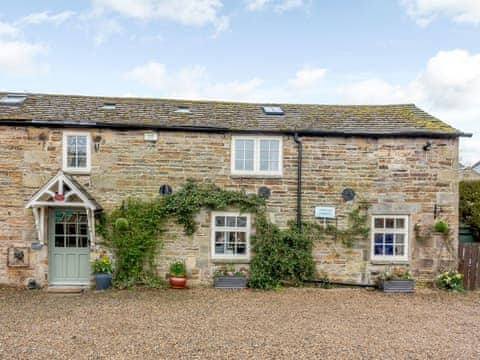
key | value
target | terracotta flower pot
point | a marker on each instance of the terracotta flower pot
(177, 282)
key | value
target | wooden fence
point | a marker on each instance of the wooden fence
(469, 264)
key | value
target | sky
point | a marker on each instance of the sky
(425, 52)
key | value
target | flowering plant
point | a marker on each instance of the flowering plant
(450, 280)
(177, 268)
(396, 273)
(102, 265)
(230, 271)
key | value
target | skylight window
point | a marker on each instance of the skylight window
(109, 106)
(13, 99)
(183, 109)
(272, 110)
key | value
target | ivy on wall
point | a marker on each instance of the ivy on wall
(134, 233)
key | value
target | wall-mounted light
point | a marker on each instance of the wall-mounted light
(427, 146)
(96, 140)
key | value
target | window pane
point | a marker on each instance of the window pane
(82, 141)
(249, 146)
(274, 165)
(83, 242)
(219, 242)
(264, 146)
(248, 165)
(71, 229)
(239, 164)
(379, 223)
(389, 238)
(399, 250)
(219, 220)
(241, 237)
(388, 249)
(378, 239)
(71, 241)
(264, 164)
(83, 229)
(59, 241)
(389, 223)
(231, 221)
(400, 239)
(242, 221)
(59, 230)
(239, 146)
(378, 249)
(241, 249)
(400, 223)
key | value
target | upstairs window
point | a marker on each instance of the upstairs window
(390, 237)
(256, 156)
(76, 152)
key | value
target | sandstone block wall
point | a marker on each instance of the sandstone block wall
(394, 175)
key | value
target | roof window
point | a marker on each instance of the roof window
(183, 109)
(13, 99)
(109, 106)
(272, 110)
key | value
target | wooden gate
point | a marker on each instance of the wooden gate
(469, 265)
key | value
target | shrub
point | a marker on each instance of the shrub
(280, 255)
(441, 227)
(470, 205)
(450, 280)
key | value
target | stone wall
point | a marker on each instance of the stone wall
(394, 175)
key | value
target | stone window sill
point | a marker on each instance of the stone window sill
(389, 262)
(256, 176)
(231, 261)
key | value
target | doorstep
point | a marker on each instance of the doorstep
(66, 289)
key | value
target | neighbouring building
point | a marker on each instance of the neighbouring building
(470, 172)
(66, 158)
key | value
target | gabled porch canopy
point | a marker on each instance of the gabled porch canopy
(62, 191)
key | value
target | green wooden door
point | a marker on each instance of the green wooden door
(69, 251)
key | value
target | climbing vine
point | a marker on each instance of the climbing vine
(134, 233)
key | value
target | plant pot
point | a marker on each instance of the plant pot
(397, 286)
(230, 282)
(103, 281)
(177, 282)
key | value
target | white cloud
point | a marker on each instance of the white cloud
(256, 5)
(449, 88)
(307, 78)
(278, 5)
(8, 30)
(46, 17)
(191, 82)
(460, 11)
(187, 12)
(20, 57)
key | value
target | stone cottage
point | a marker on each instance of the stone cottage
(66, 158)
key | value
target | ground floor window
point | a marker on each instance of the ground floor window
(230, 235)
(390, 237)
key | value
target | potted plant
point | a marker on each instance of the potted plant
(102, 270)
(228, 278)
(451, 280)
(177, 275)
(396, 280)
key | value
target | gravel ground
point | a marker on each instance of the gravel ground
(208, 323)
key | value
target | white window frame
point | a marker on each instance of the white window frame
(256, 156)
(74, 170)
(247, 231)
(405, 231)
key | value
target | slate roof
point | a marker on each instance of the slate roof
(382, 119)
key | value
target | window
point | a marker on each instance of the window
(256, 156)
(109, 106)
(273, 110)
(230, 235)
(13, 99)
(76, 152)
(390, 237)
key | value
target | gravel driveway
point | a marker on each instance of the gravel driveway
(208, 323)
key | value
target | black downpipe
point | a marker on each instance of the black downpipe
(299, 181)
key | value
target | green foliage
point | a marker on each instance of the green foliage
(470, 205)
(133, 234)
(177, 268)
(395, 273)
(184, 204)
(280, 255)
(450, 280)
(102, 265)
(441, 227)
